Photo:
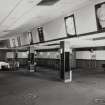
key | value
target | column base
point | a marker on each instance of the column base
(31, 70)
(68, 77)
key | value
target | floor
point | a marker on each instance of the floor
(45, 88)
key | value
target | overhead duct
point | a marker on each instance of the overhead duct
(47, 2)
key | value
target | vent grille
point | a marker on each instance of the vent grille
(47, 2)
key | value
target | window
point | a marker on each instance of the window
(40, 33)
(100, 16)
(13, 42)
(70, 25)
(19, 41)
(30, 39)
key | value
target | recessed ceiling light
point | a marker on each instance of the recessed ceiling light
(47, 2)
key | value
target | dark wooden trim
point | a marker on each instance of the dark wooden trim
(47, 50)
(48, 58)
(100, 38)
(89, 48)
(53, 44)
(89, 33)
(90, 59)
(79, 35)
(75, 25)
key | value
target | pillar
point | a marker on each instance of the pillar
(31, 59)
(65, 71)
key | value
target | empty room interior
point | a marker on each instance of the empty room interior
(52, 52)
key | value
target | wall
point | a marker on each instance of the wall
(22, 58)
(22, 55)
(9, 55)
(49, 55)
(85, 20)
(83, 55)
(99, 55)
(54, 29)
(24, 39)
(85, 60)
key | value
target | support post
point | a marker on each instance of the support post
(65, 69)
(31, 59)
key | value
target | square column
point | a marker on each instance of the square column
(65, 72)
(31, 59)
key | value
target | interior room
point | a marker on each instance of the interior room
(52, 52)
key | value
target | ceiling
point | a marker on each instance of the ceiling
(21, 15)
